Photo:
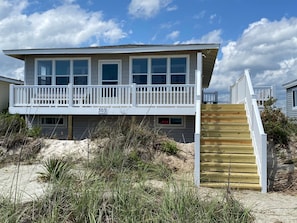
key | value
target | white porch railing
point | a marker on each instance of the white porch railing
(243, 92)
(116, 95)
(263, 94)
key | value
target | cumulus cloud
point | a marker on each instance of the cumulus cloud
(211, 37)
(173, 35)
(267, 49)
(63, 26)
(147, 9)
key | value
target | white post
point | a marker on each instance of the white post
(198, 77)
(70, 95)
(11, 96)
(133, 95)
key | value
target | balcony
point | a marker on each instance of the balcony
(104, 100)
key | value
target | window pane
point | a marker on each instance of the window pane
(178, 65)
(178, 79)
(44, 80)
(62, 67)
(294, 98)
(52, 121)
(159, 65)
(140, 79)
(163, 121)
(44, 68)
(109, 83)
(109, 72)
(139, 66)
(159, 79)
(81, 80)
(176, 121)
(62, 80)
(80, 67)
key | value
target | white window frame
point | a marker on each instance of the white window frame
(169, 125)
(111, 61)
(53, 59)
(53, 125)
(168, 74)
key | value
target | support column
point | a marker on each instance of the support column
(70, 127)
(198, 98)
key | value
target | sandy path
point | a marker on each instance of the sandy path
(21, 182)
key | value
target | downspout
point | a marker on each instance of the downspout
(198, 77)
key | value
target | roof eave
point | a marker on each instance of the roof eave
(21, 53)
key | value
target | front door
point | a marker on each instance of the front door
(109, 73)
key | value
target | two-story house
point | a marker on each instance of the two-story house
(68, 91)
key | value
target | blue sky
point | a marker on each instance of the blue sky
(259, 35)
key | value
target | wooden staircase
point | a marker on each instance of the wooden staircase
(227, 156)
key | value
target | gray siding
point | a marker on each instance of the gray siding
(94, 79)
(83, 126)
(29, 71)
(292, 113)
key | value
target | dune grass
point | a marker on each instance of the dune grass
(115, 186)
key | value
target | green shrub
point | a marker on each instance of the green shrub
(169, 147)
(276, 125)
(55, 170)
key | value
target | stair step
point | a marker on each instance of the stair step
(210, 113)
(222, 107)
(226, 149)
(229, 167)
(225, 141)
(241, 186)
(225, 133)
(206, 126)
(227, 158)
(219, 177)
(225, 119)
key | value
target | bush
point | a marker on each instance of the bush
(277, 126)
(55, 170)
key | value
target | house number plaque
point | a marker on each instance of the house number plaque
(102, 111)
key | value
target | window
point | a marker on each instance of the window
(173, 121)
(140, 71)
(62, 71)
(44, 72)
(294, 98)
(110, 74)
(52, 121)
(178, 70)
(80, 72)
(159, 70)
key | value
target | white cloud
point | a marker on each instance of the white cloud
(211, 37)
(63, 26)
(172, 8)
(146, 9)
(173, 35)
(268, 49)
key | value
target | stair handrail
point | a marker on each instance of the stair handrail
(242, 92)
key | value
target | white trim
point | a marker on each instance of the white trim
(168, 73)
(110, 61)
(54, 59)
